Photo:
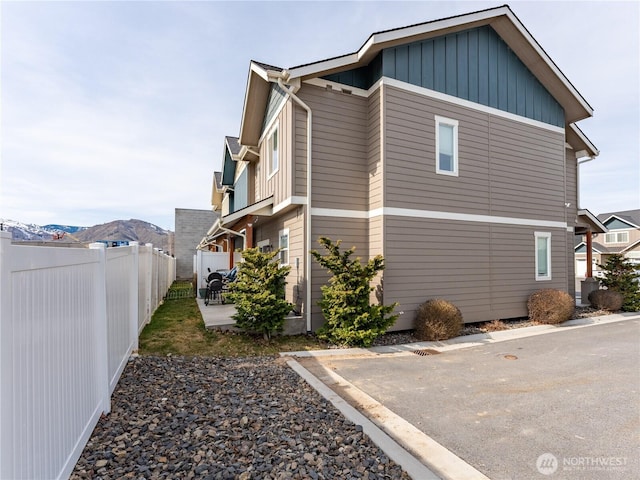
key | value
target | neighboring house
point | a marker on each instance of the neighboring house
(449, 147)
(622, 236)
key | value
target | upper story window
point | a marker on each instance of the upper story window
(273, 152)
(616, 237)
(543, 255)
(446, 146)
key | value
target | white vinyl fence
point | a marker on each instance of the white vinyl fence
(69, 320)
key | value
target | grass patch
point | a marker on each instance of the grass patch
(177, 328)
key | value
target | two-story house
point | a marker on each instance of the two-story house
(622, 237)
(450, 147)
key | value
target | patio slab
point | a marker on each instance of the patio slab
(217, 316)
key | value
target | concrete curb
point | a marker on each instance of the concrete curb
(468, 341)
(388, 445)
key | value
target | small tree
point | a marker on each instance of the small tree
(620, 276)
(258, 293)
(350, 317)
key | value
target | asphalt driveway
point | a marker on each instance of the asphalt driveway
(562, 405)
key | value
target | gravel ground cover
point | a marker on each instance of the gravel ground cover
(226, 418)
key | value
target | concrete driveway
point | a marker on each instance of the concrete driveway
(558, 402)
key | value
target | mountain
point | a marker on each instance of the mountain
(129, 230)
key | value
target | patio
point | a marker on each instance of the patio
(217, 316)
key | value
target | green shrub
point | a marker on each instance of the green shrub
(606, 300)
(258, 293)
(620, 275)
(438, 319)
(550, 306)
(350, 318)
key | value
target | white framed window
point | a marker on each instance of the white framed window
(543, 255)
(273, 151)
(283, 245)
(616, 237)
(446, 146)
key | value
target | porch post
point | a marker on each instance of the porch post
(249, 234)
(589, 255)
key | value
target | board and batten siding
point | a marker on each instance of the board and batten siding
(280, 185)
(340, 166)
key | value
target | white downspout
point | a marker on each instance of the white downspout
(588, 159)
(296, 99)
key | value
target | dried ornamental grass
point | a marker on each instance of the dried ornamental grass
(438, 319)
(550, 306)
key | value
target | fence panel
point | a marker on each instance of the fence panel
(69, 319)
(122, 307)
(52, 388)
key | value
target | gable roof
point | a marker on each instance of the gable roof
(501, 19)
(630, 217)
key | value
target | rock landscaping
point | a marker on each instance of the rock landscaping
(226, 418)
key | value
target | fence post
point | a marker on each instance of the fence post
(6, 443)
(102, 331)
(149, 281)
(133, 287)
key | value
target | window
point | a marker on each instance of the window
(273, 152)
(616, 237)
(238, 242)
(446, 146)
(283, 244)
(543, 255)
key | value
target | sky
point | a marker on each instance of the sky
(118, 109)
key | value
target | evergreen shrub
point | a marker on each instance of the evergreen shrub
(620, 275)
(606, 300)
(350, 318)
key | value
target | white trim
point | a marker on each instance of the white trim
(570, 229)
(425, 92)
(436, 215)
(269, 157)
(468, 104)
(547, 237)
(338, 87)
(454, 160)
(276, 116)
(289, 201)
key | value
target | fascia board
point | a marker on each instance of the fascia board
(583, 138)
(593, 219)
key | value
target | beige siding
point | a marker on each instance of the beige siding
(268, 229)
(410, 162)
(340, 166)
(353, 233)
(280, 185)
(486, 270)
(527, 171)
(506, 168)
(375, 151)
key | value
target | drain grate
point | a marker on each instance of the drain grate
(426, 351)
